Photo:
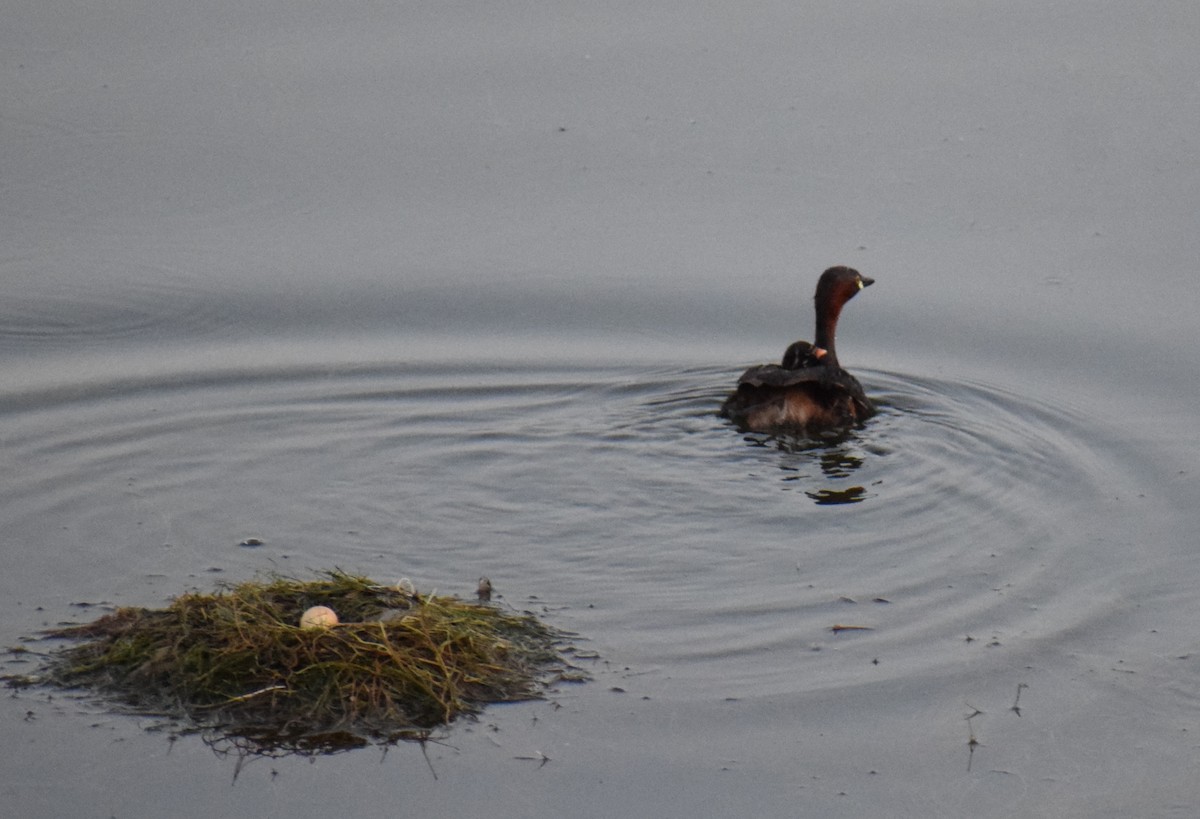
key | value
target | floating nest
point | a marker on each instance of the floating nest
(238, 661)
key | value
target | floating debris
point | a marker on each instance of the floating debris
(271, 663)
(484, 590)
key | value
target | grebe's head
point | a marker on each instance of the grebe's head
(837, 286)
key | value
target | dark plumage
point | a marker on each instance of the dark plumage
(809, 390)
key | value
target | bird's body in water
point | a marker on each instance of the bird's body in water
(809, 389)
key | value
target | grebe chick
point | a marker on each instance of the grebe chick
(810, 390)
(801, 354)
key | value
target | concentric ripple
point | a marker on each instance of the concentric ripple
(948, 523)
(118, 301)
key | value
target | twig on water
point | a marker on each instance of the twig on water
(1016, 707)
(972, 742)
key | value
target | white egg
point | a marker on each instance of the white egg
(318, 617)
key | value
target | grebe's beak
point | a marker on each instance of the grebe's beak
(819, 352)
(863, 281)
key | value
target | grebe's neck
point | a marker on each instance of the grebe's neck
(827, 319)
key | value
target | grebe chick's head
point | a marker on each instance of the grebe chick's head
(801, 354)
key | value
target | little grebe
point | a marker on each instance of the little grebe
(809, 389)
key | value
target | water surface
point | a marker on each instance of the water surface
(457, 293)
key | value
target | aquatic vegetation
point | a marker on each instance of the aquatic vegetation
(238, 661)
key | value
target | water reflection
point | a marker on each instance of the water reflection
(833, 497)
(836, 455)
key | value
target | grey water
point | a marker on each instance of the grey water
(452, 290)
